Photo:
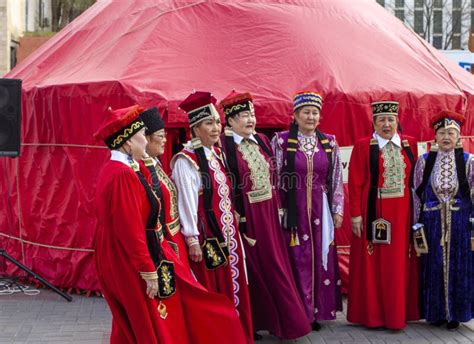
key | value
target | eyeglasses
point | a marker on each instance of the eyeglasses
(159, 136)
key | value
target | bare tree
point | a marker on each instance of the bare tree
(455, 20)
(65, 11)
(440, 22)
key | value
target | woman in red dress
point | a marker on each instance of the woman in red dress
(383, 290)
(151, 294)
(206, 211)
(162, 185)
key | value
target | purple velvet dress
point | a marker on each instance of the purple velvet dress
(275, 301)
(316, 273)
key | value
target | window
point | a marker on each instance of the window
(400, 9)
(419, 21)
(13, 61)
(456, 42)
(399, 3)
(419, 3)
(40, 13)
(400, 14)
(472, 16)
(457, 3)
(438, 21)
(381, 2)
(438, 42)
(456, 24)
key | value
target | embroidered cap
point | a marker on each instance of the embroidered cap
(199, 106)
(386, 107)
(235, 103)
(120, 125)
(447, 119)
(307, 98)
(152, 119)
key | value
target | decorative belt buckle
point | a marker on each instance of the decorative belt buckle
(381, 231)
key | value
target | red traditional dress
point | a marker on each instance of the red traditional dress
(383, 277)
(169, 203)
(191, 315)
(230, 279)
(172, 224)
(121, 255)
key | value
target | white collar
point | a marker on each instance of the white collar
(382, 142)
(238, 139)
(207, 151)
(120, 157)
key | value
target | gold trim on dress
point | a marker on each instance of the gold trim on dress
(173, 227)
(259, 172)
(183, 154)
(148, 276)
(168, 183)
(394, 172)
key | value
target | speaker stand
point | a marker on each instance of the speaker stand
(4, 254)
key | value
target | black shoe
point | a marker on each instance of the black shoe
(257, 336)
(315, 326)
(439, 323)
(452, 325)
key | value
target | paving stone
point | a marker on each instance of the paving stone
(47, 318)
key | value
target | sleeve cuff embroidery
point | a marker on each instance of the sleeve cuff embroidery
(147, 276)
(192, 240)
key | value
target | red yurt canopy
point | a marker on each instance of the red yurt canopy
(155, 53)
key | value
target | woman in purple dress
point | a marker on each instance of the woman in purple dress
(310, 180)
(276, 305)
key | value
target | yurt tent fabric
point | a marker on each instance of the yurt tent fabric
(155, 53)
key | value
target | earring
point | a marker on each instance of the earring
(129, 155)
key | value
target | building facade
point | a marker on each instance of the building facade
(444, 23)
(16, 18)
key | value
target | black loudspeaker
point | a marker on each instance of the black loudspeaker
(10, 117)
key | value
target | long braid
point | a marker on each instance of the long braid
(235, 177)
(461, 172)
(207, 188)
(292, 220)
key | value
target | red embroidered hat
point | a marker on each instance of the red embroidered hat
(236, 102)
(447, 119)
(199, 106)
(120, 125)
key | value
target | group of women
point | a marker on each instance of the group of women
(240, 237)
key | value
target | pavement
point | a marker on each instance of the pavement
(46, 317)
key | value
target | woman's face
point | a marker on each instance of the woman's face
(307, 118)
(156, 143)
(208, 131)
(446, 138)
(137, 145)
(386, 126)
(243, 123)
